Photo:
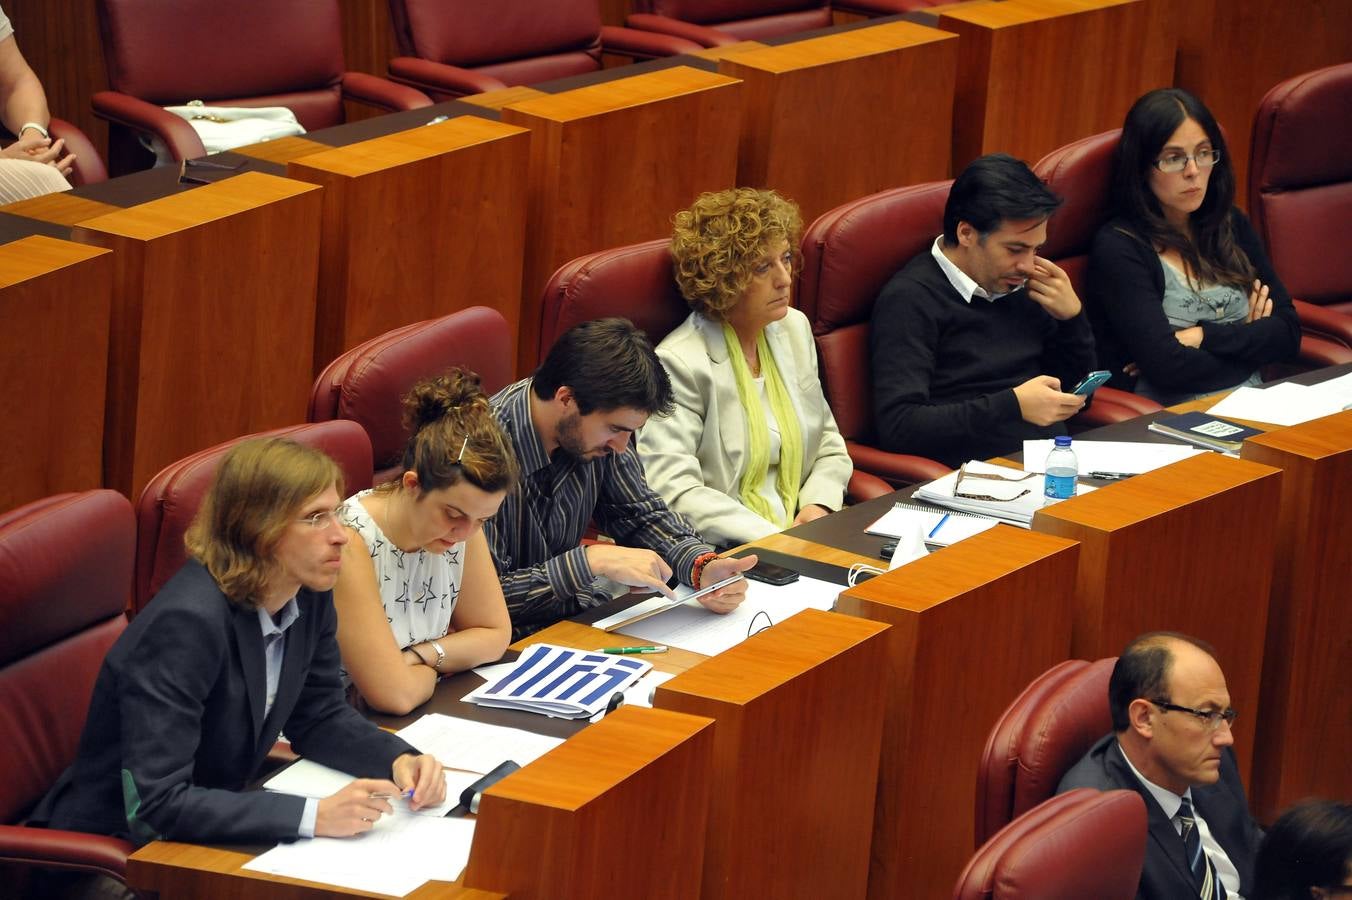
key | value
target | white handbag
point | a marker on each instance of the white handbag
(228, 127)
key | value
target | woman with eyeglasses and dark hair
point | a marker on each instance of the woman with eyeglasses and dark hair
(418, 596)
(1183, 299)
(1307, 855)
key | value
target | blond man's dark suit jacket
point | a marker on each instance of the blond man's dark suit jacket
(1165, 875)
(176, 729)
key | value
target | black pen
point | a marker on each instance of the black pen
(1111, 476)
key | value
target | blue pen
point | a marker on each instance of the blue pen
(935, 529)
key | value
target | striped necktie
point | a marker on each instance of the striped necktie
(1204, 878)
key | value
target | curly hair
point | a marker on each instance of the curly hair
(719, 240)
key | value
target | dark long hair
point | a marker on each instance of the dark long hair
(1208, 246)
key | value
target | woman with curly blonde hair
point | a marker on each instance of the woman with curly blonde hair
(751, 447)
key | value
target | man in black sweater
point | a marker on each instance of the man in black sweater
(973, 340)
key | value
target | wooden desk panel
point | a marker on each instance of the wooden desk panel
(55, 303)
(195, 872)
(416, 225)
(799, 713)
(1232, 52)
(282, 150)
(619, 809)
(585, 637)
(610, 164)
(1185, 548)
(1034, 75)
(212, 329)
(1304, 723)
(834, 118)
(972, 624)
(61, 208)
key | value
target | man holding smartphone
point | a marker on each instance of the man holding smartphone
(976, 341)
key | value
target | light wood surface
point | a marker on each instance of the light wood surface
(618, 809)
(194, 872)
(585, 637)
(282, 150)
(1304, 724)
(798, 709)
(416, 225)
(610, 164)
(1187, 548)
(212, 327)
(794, 546)
(1034, 75)
(830, 119)
(502, 97)
(62, 208)
(972, 624)
(727, 50)
(55, 302)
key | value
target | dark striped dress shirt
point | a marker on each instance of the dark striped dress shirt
(535, 535)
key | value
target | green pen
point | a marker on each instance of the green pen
(616, 651)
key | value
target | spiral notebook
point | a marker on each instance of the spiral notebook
(940, 527)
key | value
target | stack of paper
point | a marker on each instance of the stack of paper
(1016, 501)
(561, 682)
(937, 528)
(1109, 458)
(1287, 403)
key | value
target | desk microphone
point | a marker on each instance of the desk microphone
(469, 797)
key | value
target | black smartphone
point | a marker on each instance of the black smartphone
(769, 573)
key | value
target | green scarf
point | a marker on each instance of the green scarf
(758, 432)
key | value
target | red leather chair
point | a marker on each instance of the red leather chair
(848, 255)
(1039, 737)
(89, 167)
(713, 23)
(1300, 195)
(255, 53)
(367, 383)
(1080, 173)
(635, 282)
(1083, 843)
(170, 499)
(65, 569)
(450, 48)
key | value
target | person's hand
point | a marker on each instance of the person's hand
(631, 566)
(1050, 288)
(1189, 337)
(1042, 402)
(809, 513)
(1131, 370)
(425, 775)
(1260, 304)
(354, 809)
(28, 145)
(726, 599)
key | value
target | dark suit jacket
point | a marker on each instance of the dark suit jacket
(1165, 875)
(176, 730)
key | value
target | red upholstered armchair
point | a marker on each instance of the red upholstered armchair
(1084, 843)
(1039, 737)
(450, 48)
(848, 255)
(65, 569)
(713, 23)
(367, 384)
(276, 53)
(1300, 197)
(1080, 174)
(170, 500)
(635, 282)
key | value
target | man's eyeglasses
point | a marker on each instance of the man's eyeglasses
(1177, 162)
(1003, 485)
(1211, 718)
(320, 520)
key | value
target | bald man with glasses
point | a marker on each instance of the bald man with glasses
(1171, 743)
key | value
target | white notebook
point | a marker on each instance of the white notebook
(940, 528)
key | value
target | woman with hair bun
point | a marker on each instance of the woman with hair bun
(418, 596)
(751, 447)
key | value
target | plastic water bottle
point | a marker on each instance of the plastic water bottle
(1062, 470)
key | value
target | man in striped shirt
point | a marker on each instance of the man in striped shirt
(570, 424)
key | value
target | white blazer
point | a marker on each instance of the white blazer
(695, 457)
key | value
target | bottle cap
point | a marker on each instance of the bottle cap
(1063, 440)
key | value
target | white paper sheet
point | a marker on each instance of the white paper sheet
(475, 746)
(493, 671)
(307, 778)
(1124, 457)
(641, 692)
(395, 857)
(692, 627)
(1287, 403)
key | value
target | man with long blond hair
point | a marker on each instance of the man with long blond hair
(236, 648)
